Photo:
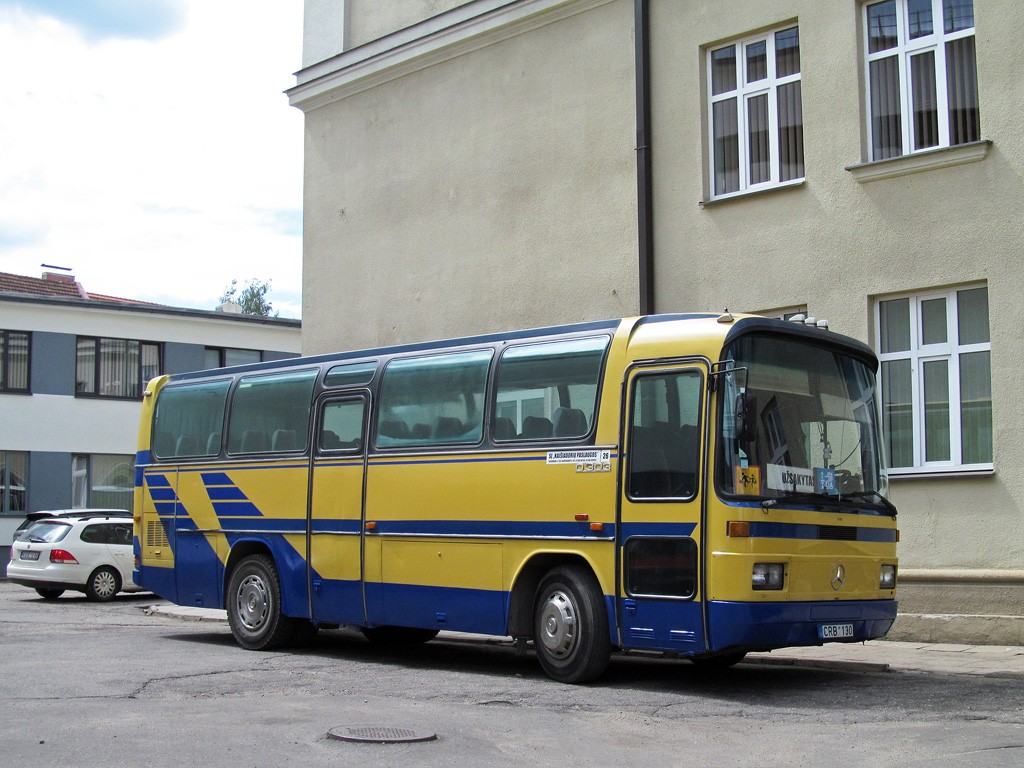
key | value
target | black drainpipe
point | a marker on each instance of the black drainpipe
(644, 189)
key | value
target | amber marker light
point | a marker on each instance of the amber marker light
(597, 526)
(739, 529)
(371, 526)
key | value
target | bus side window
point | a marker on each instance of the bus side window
(341, 427)
(433, 400)
(664, 439)
(271, 413)
(188, 420)
(548, 390)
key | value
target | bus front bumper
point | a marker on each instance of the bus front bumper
(764, 626)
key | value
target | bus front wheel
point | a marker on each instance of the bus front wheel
(570, 625)
(254, 605)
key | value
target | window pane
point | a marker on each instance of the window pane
(85, 366)
(926, 110)
(661, 567)
(342, 428)
(897, 412)
(79, 482)
(113, 367)
(548, 390)
(211, 358)
(189, 420)
(112, 481)
(936, 410)
(957, 15)
(433, 400)
(962, 90)
(133, 370)
(976, 407)
(16, 374)
(270, 414)
(665, 436)
(3, 380)
(933, 321)
(787, 52)
(972, 315)
(757, 133)
(13, 480)
(791, 132)
(919, 18)
(150, 362)
(727, 147)
(882, 26)
(723, 70)
(241, 356)
(895, 321)
(757, 61)
(350, 374)
(886, 116)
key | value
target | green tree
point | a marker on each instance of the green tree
(252, 298)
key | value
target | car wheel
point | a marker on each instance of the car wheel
(103, 584)
(49, 594)
(570, 626)
(388, 635)
(254, 605)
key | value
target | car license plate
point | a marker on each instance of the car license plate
(29, 555)
(834, 631)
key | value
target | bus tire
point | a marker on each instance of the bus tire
(570, 625)
(254, 605)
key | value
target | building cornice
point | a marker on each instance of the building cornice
(456, 32)
(149, 309)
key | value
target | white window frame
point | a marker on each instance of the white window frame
(743, 93)
(904, 51)
(919, 354)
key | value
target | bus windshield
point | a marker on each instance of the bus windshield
(799, 423)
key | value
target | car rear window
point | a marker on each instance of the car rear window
(48, 531)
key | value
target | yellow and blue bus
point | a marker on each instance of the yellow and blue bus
(700, 484)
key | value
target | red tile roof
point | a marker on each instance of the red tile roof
(63, 286)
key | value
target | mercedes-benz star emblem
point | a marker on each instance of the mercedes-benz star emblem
(838, 577)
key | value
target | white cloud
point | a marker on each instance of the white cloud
(155, 169)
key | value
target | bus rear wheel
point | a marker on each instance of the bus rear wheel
(570, 625)
(254, 605)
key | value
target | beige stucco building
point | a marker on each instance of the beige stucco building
(489, 165)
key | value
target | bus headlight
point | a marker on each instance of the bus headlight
(768, 575)
(888, 578)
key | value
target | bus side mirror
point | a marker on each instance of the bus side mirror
(745, 424)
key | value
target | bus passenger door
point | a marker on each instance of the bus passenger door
(334, 545)
(660, 525)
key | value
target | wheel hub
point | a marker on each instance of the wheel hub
(253, 602)
(559, 625)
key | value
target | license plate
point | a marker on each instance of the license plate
(834, 631)
(29, 555)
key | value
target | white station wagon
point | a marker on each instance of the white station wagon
(89, 551)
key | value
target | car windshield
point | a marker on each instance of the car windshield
(800, 422)
(45, 532)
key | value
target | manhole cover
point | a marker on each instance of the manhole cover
(379, 734)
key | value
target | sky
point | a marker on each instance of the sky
(147, 145)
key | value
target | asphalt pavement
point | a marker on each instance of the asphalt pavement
(871, 656)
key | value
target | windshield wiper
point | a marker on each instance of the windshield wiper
(869, 494)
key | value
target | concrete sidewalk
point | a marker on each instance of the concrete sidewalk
(873, 656)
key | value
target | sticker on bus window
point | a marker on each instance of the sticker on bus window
(748, 481)
(826, 481)
(579, 457)
(783, 478)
